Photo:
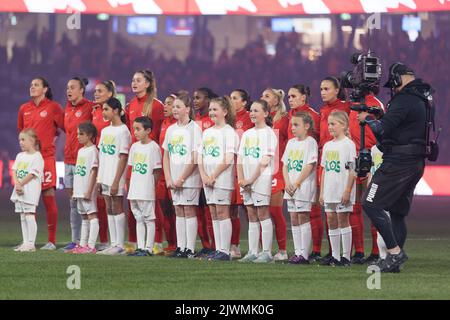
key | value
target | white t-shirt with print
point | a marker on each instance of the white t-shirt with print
(25, 164)
(335, 156)
(180, 142)
(143, 159)
(296, 156)
(87, 159)
(216, 143)
(255, 144)
(113, 142)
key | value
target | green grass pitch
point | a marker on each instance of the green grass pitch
(43, 275)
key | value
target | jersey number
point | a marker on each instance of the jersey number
(47, 177)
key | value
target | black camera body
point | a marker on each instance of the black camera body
(364, 79)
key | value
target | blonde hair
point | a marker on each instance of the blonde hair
(307, 119)
(225, 104)
(32, 134)
(342, 118)
(281, 107)
(151, 92)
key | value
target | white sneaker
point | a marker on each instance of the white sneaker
(280, 256)
(102, 246)
(49, 247)
(235, 252)
(28, 248)
(18, 247)
(115, 251)
(105, 251)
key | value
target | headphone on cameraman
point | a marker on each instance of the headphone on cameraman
(394, 77)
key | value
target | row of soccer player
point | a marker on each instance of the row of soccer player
(44, 116)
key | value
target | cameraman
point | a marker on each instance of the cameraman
(401, 132)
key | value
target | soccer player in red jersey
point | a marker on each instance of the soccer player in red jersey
(274, 98)
(45, 117)
(102, 92)
(241, 102)
(163, 196)
(332, 95)
(145, 104)
(202, 97)
(356, 217)
(298, 95)
(78, 110)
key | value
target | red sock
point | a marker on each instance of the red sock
(357, 228)
(169, 230)
(159, 222)
(209, 227)
(102, 220)
(316, 227)
(202, 229)
(373, 231)
(280, 226)
(236, 230)
(52, 217)
(131, 225)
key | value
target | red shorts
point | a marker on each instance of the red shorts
(50, 177)
(162, 193)
(277, 183)
(361, 180)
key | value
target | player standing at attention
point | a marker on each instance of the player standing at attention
(255, 169)
(216, 165)
(84, 187)
(45, 117)
(299, 171)
(114, 146)
(27, 172)
(181, 144)
(77, 110)
(241, 102)
(275, 97)
(337, 191)
(145, 162)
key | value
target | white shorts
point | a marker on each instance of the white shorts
(106, 190)
(22, 207)
(86, 206)
(143, 209)
(218, 196)
(337, 207)
(256, 199)
(298, 206)
(185, 196)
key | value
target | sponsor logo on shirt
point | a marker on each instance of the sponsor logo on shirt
(176, 146)
(295, 160)
(43, 114)
(332, 162)
(27, 113)
(22, 169)
(210, 147)
(239, 125)
(107, 145)
(80, 167)
(78, 114)
(139, 163)
(251, 147)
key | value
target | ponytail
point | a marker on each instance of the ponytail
(114, 103)
(266, 108)
(83, 83)
(151, 92)
(45, 84)
(337, 84)
(305, 90)
(225, 104)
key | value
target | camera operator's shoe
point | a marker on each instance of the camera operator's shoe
(314, 257)
(372, 259)
(358, 258)
(393, 262)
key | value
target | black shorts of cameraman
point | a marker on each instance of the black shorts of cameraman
(391, 189)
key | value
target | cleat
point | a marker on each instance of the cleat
(344, 262)
(372, 259)
(264, 257)
(358, 258)
(77, 250)
(102, 246)
(235, 252)
(48, 247)
(188, 254)
(105, 251)
(249, 257)
(69, 247)
(18, 247)
(168, 251)
(330, 262)
(210, 256)
(158, 249)
(114, 251)
(314, 257)
(28, 248)
(204, 253)
(393, 262)
(140, 253)
(326, 259)
(221, 256)
(280, 256)
(298, 259)
(129, 247)
(177, 253)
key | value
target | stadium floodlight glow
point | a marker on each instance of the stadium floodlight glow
(103, 17)
(13, 20)
(346, 16)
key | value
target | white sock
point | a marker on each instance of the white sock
(267, 235)
(140, 233)
(346, 234)
(112, 230)
(216, 230)
(24, 227)
(84, 233)
(120, 229)
(93, 232)
(381, 246)
(253, 237)
(226, 229)
(296, 237)
(335, 240)
(306, 236)
(191, 232)
(180, 223)
(150, 226)
(32, 229)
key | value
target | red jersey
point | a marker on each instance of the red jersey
(73, 116)
(355, 129)
(280, 127)
(314, 115)
(324, 113)
(164, 126)
(45, 119)
(204, 121)
(243, 122)
(98, 121)
(134, 110)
